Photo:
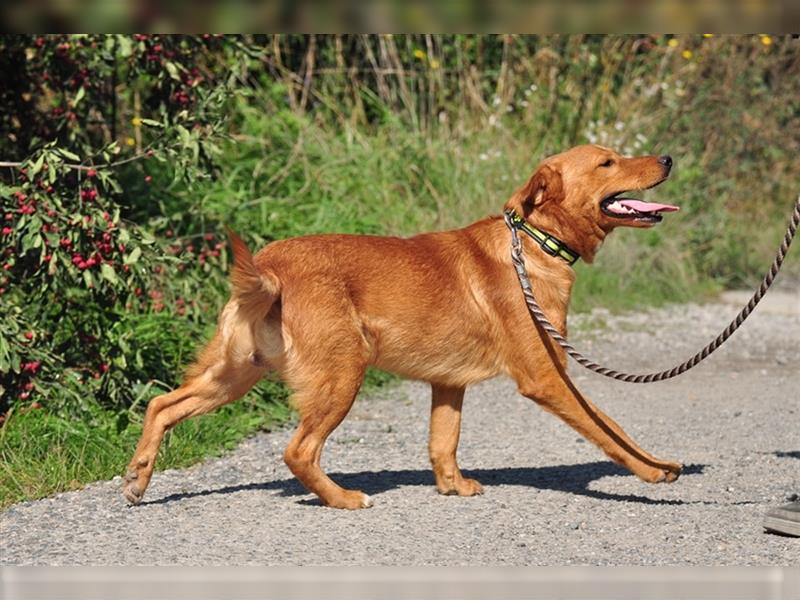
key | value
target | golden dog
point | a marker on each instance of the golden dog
(442, 307)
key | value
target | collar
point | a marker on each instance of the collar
(549, 244)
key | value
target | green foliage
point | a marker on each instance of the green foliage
(76, 268)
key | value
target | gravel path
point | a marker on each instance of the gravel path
(551, 498)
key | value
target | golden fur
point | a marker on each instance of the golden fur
(442, 307)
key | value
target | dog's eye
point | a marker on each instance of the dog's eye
(608, 163)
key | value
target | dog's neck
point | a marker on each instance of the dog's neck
(582, 235)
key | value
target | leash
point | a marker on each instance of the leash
(538, 316)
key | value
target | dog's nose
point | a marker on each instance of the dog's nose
(665, 160)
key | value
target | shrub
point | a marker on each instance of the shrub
(84, 289)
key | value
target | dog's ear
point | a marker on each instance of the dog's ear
(545, 185)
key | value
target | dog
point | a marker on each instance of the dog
(444, 307)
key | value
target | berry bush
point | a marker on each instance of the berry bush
(86, 122)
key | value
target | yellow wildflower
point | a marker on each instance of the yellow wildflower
(708, 35)
(672, 43)
(136, 122)
(434, 64)
(766, 40)
(420, 54)
(687, 54)
(130, 141)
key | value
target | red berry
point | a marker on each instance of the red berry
(148, 179)
(28, 335)
(9, 217)
(91, 173)
(65, 242)
(24, 395)
(8, 230)
(104, 367)
(28, 386)
(8, 266)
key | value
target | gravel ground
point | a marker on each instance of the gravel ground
(551, 498)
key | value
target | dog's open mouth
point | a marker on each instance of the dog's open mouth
(631, 208)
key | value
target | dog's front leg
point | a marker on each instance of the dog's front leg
(556, 394)
(445, 431)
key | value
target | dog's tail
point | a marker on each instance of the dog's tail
(254, 291)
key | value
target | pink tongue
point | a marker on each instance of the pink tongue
(647, 207)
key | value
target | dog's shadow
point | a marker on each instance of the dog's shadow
(572, 479)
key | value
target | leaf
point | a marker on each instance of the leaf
(108, 273)
(68, 155)
(172, 69)
(37, 166)
(5, 364)
(124, 236)
(184, 135)
(151, 123)
(125, 46)
(28, 241)
(79, 96)
(88, 279)
(115, 187)
(133, 256)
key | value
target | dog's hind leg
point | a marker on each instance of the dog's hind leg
(443, 444)
(323, 400)
(220, 377)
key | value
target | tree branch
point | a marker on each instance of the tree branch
(111, 165)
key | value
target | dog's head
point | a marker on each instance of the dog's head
(579, 195)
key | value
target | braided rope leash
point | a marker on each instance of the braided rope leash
(538, 315)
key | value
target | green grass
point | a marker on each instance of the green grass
(43, 454)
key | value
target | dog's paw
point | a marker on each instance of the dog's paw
(350, 500)
(469, 487)
(132, 491)
(666, 472)
(462, 487)
(672, 472)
